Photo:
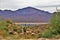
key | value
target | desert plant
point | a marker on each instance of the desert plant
(55, 23)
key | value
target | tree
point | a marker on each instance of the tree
(55, 23)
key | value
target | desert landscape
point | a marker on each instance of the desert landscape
(25, 24)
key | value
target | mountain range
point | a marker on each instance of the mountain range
(27, 14)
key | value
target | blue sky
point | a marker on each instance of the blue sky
(47, 5)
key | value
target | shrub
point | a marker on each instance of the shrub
(47, 34)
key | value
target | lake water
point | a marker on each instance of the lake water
(24, 25)
(29, 24)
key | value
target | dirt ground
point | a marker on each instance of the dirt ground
(29, 39)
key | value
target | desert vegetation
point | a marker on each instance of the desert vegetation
(14, 31)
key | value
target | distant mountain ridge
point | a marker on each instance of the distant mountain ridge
(28, 14)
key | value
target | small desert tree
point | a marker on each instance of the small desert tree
(55, 23)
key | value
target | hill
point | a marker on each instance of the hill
(28, 14)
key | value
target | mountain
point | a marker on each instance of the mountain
(28, 14)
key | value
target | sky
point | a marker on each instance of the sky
(47, 5)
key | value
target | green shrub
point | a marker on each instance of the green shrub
(47, 34)
(3, 25)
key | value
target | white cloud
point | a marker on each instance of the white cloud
(16, 4)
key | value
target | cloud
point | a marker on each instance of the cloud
(18, 4)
